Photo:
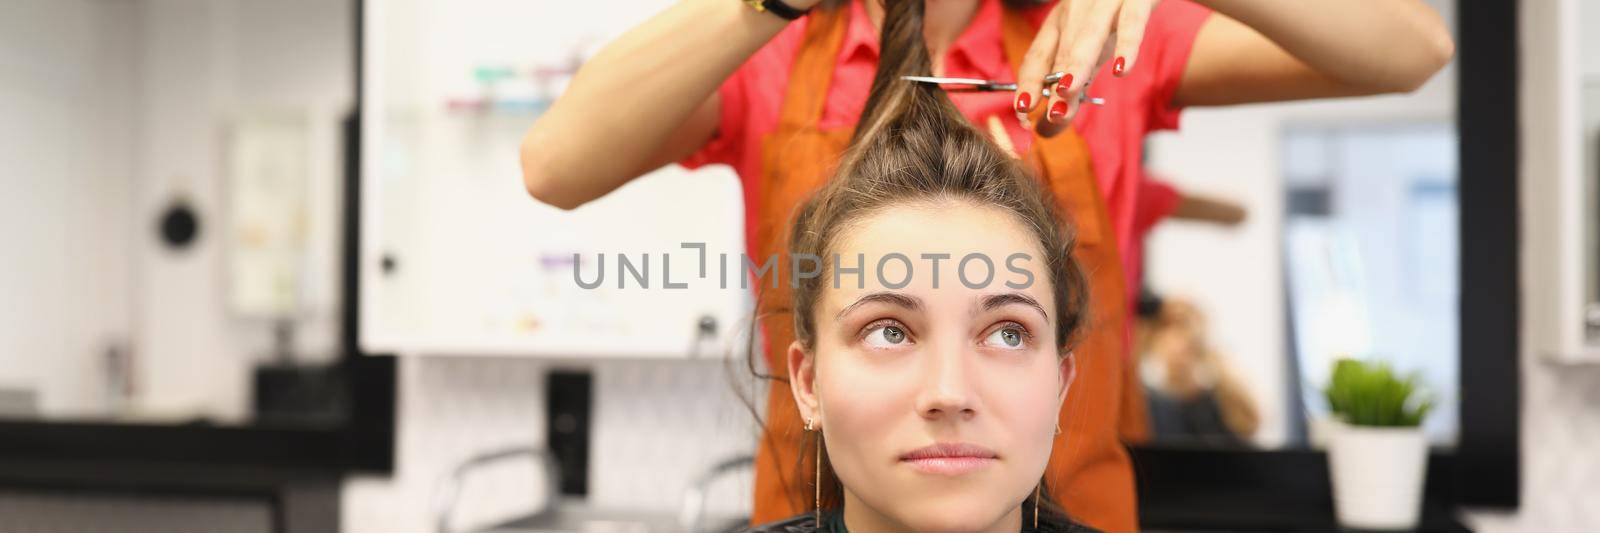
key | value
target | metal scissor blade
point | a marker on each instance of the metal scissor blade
(970, 84)
(979, 84)
(941, 80)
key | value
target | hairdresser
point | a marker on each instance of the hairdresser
(773, 88)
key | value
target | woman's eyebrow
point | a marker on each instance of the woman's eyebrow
(995, 301)
(910, 303)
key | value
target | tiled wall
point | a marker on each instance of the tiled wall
(658, 424)
(1560, 453)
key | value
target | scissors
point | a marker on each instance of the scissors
(963, 85)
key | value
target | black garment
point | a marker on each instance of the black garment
(1195, 420)
(1048, 523)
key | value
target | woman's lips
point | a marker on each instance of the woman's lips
(950, 458)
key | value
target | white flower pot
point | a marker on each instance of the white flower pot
(1377, 475)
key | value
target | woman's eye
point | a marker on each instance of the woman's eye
(885, 336)
(1006, 338)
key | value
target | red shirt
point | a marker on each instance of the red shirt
(1135, 105)
(1157, 200)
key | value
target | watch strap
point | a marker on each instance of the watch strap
(777, 7)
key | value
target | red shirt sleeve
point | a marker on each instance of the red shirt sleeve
(750, 100)
(1168, 39)
(1157, 200)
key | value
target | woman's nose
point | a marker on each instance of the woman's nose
(946, 389)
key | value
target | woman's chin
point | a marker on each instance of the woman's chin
(953, 516)
(934, 525)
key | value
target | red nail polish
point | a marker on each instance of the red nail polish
(1119, 66)
(1065, 85)
(1022, 102)
(1058, 111)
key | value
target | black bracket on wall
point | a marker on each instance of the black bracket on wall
(569, 405)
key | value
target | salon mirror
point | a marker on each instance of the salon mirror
(172, 220)
(1348, 247)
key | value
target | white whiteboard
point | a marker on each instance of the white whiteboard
(457, 259)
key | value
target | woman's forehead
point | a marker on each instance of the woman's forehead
(954, 227)
(940, 254)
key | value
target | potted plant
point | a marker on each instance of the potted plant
(1377, 454)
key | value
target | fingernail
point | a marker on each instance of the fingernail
(1022, 102)
(1065, 85)
(1119, 66)
(1058, 111)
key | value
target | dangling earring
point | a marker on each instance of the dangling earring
(816, 500)
(1037, 488)
(1036, 506)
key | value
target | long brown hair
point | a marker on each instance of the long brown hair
(912, 145)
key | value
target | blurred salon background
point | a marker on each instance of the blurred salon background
(269, 266)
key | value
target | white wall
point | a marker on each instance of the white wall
(203, 63)
(66, 140)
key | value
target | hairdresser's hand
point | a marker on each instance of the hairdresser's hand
(1072, 41)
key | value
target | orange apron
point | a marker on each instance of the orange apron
(1089, 469)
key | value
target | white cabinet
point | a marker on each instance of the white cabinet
(457, 258)
(1560, 158)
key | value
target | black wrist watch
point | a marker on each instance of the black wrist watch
(777, 7)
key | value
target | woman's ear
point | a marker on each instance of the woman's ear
(1069, 372)
(803, 382)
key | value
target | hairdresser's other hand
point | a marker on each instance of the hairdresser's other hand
(1071, 41)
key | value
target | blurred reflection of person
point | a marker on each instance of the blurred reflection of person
(1193, 392)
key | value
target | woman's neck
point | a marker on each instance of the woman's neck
(942, 22)
(861, 518)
